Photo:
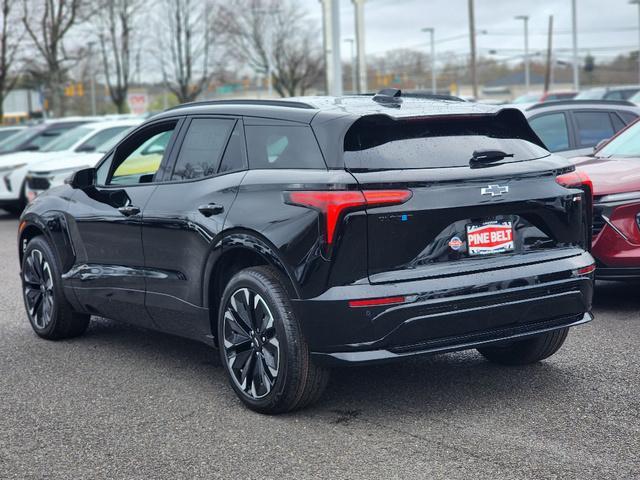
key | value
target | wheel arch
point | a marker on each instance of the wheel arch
(240, 249)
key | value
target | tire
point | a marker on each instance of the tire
(265, 353)
(527, 351)
(49, 313)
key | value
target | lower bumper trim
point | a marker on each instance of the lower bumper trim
(622, 273)
(450, 344)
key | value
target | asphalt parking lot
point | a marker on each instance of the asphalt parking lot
(121, 402)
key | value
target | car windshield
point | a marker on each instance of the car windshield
(16, 140)
(627, 144)
(528, 98)
(635, 98)
(67, 140)
(109, 144)
(594, 94)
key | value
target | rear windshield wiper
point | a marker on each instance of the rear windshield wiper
(488, 156)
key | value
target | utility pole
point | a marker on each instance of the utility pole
(328, 45)
(362, 61)
(434, 81)
(576, 66)
(527, 74)
(547, 75)
(472, 61)
(92, 79)
(354, 82)
(337, 60)
(637, 2)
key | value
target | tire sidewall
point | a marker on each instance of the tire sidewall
(282, 319)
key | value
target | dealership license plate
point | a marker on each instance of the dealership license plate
(489, 238)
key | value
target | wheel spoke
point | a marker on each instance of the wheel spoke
(30, 272)
(247, 369)
(264, 320)
(240, 309)
(270, 354)
(237, 326)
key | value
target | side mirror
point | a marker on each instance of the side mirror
(601, 144)
(83, 178)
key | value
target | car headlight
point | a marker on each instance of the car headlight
(9, 168)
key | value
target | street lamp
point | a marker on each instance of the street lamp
(434, 82)
(637, 2)
(527, 78)
(576, 68)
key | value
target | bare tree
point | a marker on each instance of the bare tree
(9, 41)
(116, 27)
(276, 34)
(185, 46)
(47, 22)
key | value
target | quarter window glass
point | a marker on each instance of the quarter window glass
(593, 127)
(628, 117)
(627, 144)
(202, 148)
(234, 155)
(618, 124)
(141, 164)
(277, 146)
(552, 130)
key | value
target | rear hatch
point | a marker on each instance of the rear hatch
(484, 195)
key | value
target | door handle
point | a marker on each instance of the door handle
(129, 210)
(210, 209)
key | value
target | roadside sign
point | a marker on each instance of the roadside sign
(138, 102)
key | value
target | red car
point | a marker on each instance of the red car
(614, 170)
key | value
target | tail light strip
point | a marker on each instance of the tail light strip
(334, 202)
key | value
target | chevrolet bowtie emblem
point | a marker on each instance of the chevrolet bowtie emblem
(494, 190)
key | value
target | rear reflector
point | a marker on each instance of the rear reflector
(376, 302)
(332, 203)
(586, 270)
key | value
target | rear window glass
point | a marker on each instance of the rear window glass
(375, 143)
(278, 146)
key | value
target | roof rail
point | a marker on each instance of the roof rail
(266, 103)
(553, 103)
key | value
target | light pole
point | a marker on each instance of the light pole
(92, 79)
(269, 12)
(576, 70)
(527, 75)
(354, 86)
(434, 82)
(637, 2)
(358, 6)
(472, 39)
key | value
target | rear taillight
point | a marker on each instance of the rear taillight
(581, 180)
(332, 204)
(585, 271)
(575, 179)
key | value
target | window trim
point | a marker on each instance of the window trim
(168, 155)
(569, 124)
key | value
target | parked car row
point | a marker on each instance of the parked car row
(64, 145)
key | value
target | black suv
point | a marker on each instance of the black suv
(303, 234)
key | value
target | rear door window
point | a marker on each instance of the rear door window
(592, 127)
(283, 146)
(553, 130)
(202, 148)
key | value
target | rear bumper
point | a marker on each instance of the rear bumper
(622, 273)
(445, 314)
(450, 344)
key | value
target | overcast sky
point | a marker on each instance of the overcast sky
(605, 27)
